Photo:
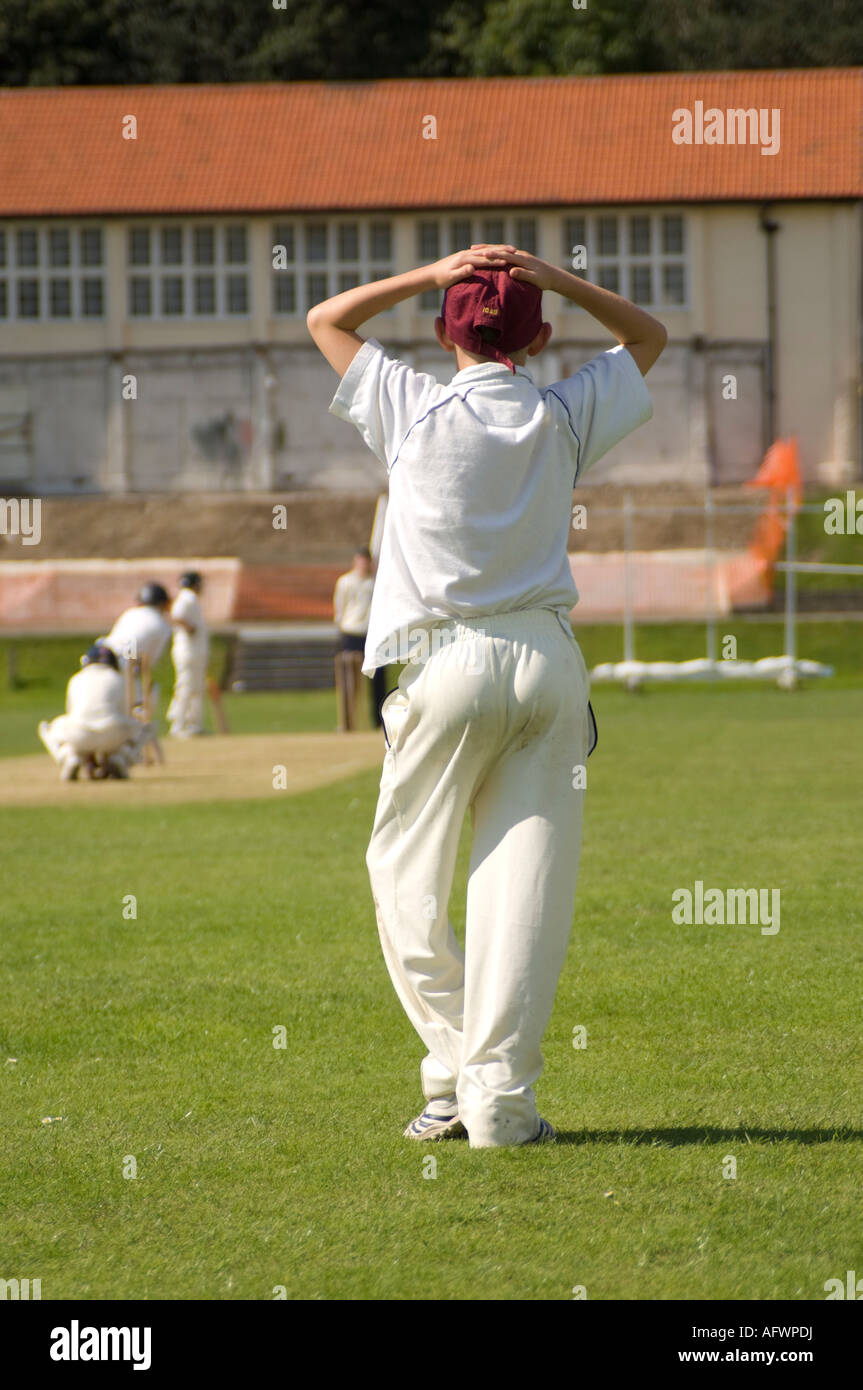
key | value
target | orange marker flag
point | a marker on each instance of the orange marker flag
(780, 469)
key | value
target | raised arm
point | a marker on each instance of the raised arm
(333, 322)
(639, 332)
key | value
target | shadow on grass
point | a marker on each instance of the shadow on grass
(675, 1138)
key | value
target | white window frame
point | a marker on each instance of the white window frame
(626, 260)
(364, 266)
(188, 269)
(76, 272)
(430, 301)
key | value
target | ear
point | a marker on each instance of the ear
(446, 343)
(540, 341)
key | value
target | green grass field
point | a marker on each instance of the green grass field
(261, 1167)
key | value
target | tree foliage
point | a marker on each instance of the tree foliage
(64, 42)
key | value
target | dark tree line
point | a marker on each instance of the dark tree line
(65, 42)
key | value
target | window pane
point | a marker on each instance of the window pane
(205, 294)
(285, 294)
(673, 284)
(27, 247)
(140, 297)
(92, 295)
(91, 246)
(492, 229)
(316, 241)
(172, 246)
(172, 295)
(460, 234)
(525, 234)
(61, 299)
(28, 299)
(672, 235)
(4, 300)
(59, 246)
(348, 280)
(431, 300)
(607, 227)
(139, 246)
(639, 236)
(204, 246)
(238, 294)
(380, 248)
(428, 241)
(574, 234)
(642, 284)
(285, 237)
(349, 241)
(316, 289)
(235, 245)
(2, 248)
(608, 278)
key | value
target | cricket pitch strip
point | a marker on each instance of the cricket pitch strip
(232, 767)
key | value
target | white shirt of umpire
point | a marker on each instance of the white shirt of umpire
(140, 631)
(481, 473)
(352, 603)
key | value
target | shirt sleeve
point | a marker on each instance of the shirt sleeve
(604, 401)
(339, 599)
(383, 398)
(181, 605)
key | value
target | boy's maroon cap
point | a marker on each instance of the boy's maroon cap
(492, 299)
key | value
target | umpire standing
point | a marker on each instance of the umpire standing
(352, 602)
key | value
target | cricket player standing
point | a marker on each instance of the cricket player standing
(494, 717)
(190, 654)
(142, 632)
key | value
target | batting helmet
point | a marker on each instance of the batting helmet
(102, 654)
(153, 594)
(190, 580)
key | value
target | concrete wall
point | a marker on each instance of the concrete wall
(243, 404)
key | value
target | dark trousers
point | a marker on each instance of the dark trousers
(378, 685)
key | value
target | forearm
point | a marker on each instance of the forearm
(352, 308)
(624, 320)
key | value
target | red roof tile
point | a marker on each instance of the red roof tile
(500, 142)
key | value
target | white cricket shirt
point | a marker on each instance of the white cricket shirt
(189, 646)
(96, 696)
(140, 631)
(352, 601)
(480, 483)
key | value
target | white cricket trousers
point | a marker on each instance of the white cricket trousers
(495, 722)
(186, 710)
(65, 737)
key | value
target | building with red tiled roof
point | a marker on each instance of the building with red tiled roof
(159, 248)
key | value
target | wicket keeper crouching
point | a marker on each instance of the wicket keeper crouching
(95, 733)
(496, 721)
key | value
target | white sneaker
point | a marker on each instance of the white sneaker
(70, 768)
(432, 1127)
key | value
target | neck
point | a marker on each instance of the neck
(471, 359)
